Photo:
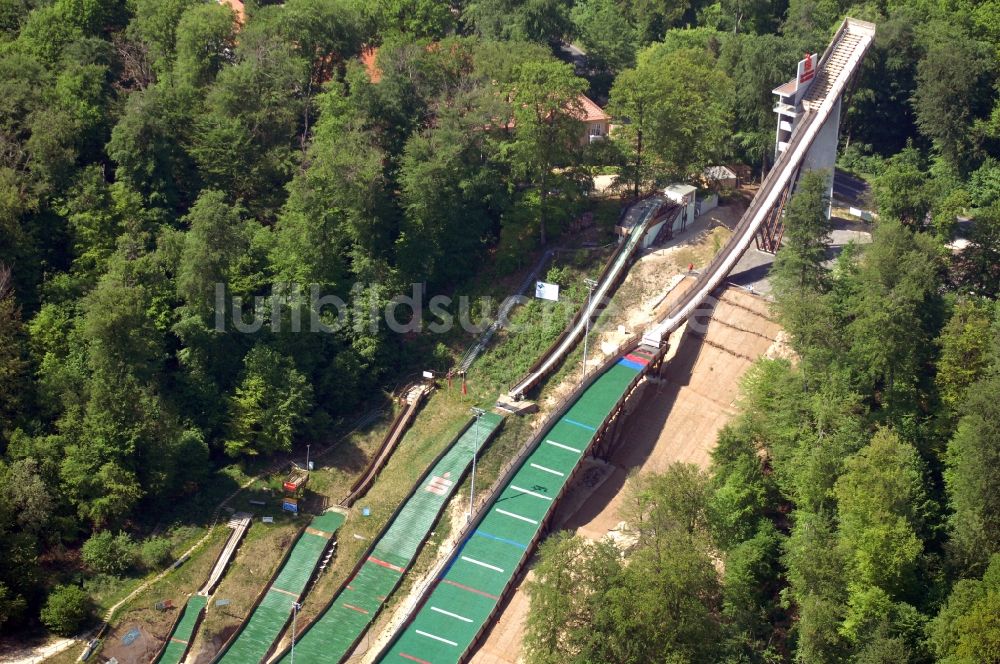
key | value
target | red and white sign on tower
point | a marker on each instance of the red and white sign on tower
(806, 71)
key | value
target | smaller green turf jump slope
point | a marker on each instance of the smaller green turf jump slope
(270, 616)
(487, 561)
(180, 638)
(334, 633)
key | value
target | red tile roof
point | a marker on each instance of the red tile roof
(368, 56)
(592, 112)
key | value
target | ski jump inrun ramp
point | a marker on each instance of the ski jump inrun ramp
(455, 610)
(837, 66)
(273, 610)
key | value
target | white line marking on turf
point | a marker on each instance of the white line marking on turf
(437, 638)
(482, 564)
(548, 470)
(530, 493)
(565, 447)
(451, 615)
(517, 516)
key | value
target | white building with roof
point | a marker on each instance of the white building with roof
(684, 195)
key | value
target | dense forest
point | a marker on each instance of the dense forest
(154, 149)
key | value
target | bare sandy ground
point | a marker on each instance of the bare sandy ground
(651, 287)
(675, 420)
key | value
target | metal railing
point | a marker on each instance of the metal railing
(610, 276)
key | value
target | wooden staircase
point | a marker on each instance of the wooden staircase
(841, 55)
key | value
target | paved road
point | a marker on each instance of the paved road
(850, 190)
(753, 270)
(574, 55)
(38, 654)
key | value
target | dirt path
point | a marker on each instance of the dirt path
(38, 654)
(675, 420)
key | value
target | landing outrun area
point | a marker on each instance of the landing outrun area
(487, 561)
(331, 637)
(270, 616)
(181, 636)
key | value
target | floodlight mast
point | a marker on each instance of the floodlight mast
(478, 412)
(591, 285)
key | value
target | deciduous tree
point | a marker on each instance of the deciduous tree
(206, 38)
(13, 363)
(978, 266)
(66, 610)
(952, 91)
(155, 24)
(966, 342)
(882, 506)
(973, 486)
(271, 401)
(605, 31)
(897, 310)
(663, 138)
(547, 112)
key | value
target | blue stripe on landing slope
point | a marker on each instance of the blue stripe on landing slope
(630, 364)
(579, 424)
(454, 559)
(501, 539)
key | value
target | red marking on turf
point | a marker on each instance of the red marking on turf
(176, 640)
(471, 590)
(635, 358)
(394, 568)
(439, 485)
(286, 592)
(413, 659)
(354, 608)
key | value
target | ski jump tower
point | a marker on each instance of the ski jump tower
(796, 98)
(807, 138)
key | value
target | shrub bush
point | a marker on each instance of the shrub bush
(66, 610)
(156, 553)
(109, 554)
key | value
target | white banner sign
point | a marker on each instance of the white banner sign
(547, 291)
